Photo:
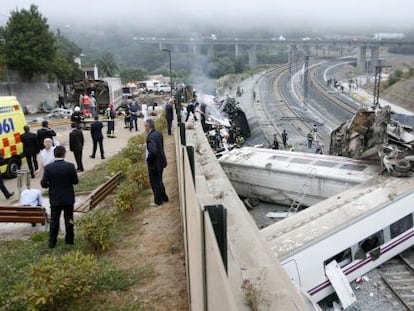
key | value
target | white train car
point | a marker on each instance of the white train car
(360, 228)
(278, 176)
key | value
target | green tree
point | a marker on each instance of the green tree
(133, 74)
(29, 46)
(64, 67)
(107, 64)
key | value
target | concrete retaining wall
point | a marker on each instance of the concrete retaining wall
(250, 259)
(31, 94)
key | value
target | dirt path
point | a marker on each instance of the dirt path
(158, 247)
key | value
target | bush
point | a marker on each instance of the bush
(117, 164)
(138, 175)
(135, 151)
(161, 123)
(125, 196)
(57, 280)
(97, 228)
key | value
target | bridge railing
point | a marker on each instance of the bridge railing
(207, 281)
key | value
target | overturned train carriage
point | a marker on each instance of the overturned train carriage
(106, 91)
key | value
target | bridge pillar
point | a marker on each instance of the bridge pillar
(374, 58)
(236, 50)
(252, 57)
(211, 52)
(362, 58)
(160, 46)
(195, 49)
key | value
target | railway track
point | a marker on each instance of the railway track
(277, 109)
(398, 275)
(324, 91)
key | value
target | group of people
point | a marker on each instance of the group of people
(309, 136)
(60, 176)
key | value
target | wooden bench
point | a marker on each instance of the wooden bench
(99, 194)
(29, 214)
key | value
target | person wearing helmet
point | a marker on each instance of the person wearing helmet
(77, 116)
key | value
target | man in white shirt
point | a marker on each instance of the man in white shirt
(47, 155)
(31, 197)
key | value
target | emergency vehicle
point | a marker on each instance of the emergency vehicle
(12, 121)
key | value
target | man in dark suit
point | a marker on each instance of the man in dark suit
(169, 115)
(133, 118)
(76, 144)
(97, 137)
(156, 162)
(44, 132)
(59, 177)
(30, 149)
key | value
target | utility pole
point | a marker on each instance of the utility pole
(377, 85)
(171, 81)
(305, 82)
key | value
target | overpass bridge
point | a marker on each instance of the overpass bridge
(293, 45)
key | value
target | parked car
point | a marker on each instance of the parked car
(163, 89)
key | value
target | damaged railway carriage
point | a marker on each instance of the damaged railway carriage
(360, 229)
(107, 90)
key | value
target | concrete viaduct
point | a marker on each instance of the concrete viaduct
(293, 45)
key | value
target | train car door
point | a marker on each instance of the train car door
(292, 270)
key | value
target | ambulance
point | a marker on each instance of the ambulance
(12, 121)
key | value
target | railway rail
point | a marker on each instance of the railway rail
(324, 91)
(279, 111)
(398, 275)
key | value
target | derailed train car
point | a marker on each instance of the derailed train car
(106, 91)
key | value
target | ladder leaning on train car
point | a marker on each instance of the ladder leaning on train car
(304, 190)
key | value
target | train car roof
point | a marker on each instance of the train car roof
(300, 162)
(308, 226)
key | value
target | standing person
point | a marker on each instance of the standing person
(3, 188)
(144, 111)
(191, 109)
(86, 102)
(76, 142)
(169, 115)
(284, 138)
(275, 144)
(92, 100)
(133, 117)
(47, 155)
(30, 149)
(59, 177)
(110, 114)
(156, 162)
(309, 136)
(97, 137)
(318, 147)
(45, 132)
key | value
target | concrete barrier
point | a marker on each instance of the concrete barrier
(250, 259)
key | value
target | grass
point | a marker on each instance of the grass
(17, 256)
(93, 178)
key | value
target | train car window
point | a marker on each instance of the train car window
(300, 161)
(326, 163)
(401, 226)
(343, 258)
(353, 167)
(371, 243)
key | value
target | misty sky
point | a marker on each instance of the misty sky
(375, 15)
